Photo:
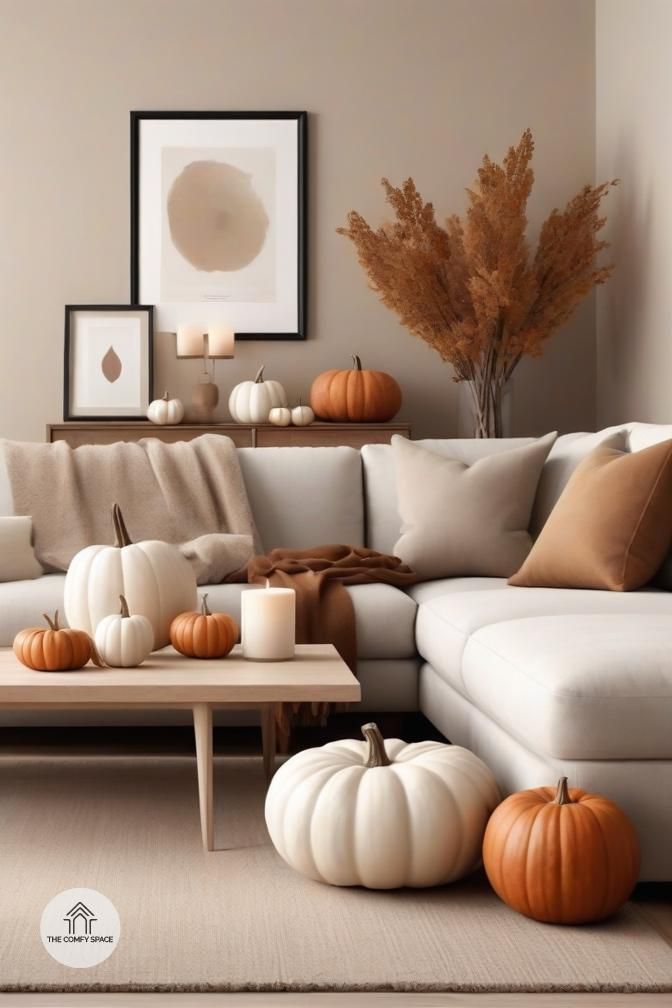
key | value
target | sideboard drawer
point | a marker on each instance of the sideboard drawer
(328, 435)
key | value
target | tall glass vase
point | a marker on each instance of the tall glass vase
(484, 412)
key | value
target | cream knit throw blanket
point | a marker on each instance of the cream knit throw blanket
(174, 492)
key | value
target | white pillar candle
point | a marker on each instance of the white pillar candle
(220, 341)
(190, 341)
(268, 621)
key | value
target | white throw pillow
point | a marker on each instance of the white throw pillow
(17, 557)
(462, 520)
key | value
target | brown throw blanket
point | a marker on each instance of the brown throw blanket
(174, 492)
(324, 610)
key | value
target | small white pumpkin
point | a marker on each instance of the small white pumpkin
(381, 814)
(156, 579)
(252, 401)
(281, 416)
(165, 410)
(302, 416)
(124, 641)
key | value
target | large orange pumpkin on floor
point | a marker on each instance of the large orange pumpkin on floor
(561, 856)
(355, 396)
(203, 634)
(54, 648)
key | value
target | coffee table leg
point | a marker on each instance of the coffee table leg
(203, 734)
(268, 739)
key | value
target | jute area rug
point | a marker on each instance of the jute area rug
(239, 919)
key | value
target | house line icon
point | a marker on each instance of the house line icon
(79, 912)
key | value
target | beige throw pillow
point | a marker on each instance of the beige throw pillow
(460, 520)
(17, 558)
(611, 527)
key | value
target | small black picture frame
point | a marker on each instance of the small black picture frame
(108, 362)
(165, 146)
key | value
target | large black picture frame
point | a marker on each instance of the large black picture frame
(138, 118)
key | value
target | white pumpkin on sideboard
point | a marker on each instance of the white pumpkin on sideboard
(302, 416)
(155, 578)
(281, 416)
(381, 814)
(252, 401)
(124, 641)
(165, 410)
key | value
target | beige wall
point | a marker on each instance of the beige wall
(394, 87)
(634, 142)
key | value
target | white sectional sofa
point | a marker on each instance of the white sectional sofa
(538, 682)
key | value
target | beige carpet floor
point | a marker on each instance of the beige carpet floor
(240, 919)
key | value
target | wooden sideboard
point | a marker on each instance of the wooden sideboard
(244, 435)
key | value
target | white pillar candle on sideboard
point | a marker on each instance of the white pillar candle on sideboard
(268, 623)
(190, 341)
(221, 339)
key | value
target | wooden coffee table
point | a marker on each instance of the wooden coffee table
(169, 680)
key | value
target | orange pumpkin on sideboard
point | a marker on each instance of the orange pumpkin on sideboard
(355, 396)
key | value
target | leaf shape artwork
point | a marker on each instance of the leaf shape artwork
(111, 365)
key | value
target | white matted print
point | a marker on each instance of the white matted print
(218, 229)
(218, 220)
(108, 362)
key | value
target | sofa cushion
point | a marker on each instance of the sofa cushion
(446, 622)
(383, 523)
(427, 590)
(580, 686)
(565, 455)
(17, 556)
(611, 527)
(23, 602)
(384, 615)
(304, 497)
(460, 519)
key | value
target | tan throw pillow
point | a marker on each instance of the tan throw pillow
(611, 527)
(17, 557)
(459, 520)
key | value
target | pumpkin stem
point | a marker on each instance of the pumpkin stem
(562, 796)
(123, 612)
(53, 623)
(95, 654)
(204, 605)
(356, 362)
(259, 377)
(165, 396)
(122, 537)
(376, 755)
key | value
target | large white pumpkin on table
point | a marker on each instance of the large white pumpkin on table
(252, 401)
(381, 813)
(157, 581)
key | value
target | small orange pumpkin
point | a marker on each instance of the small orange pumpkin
(54, 649)
(203, 634)
(561, 856)
(355, 396)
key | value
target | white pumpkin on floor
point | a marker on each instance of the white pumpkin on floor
(156, 579)
(124, 641)
(381, 814)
